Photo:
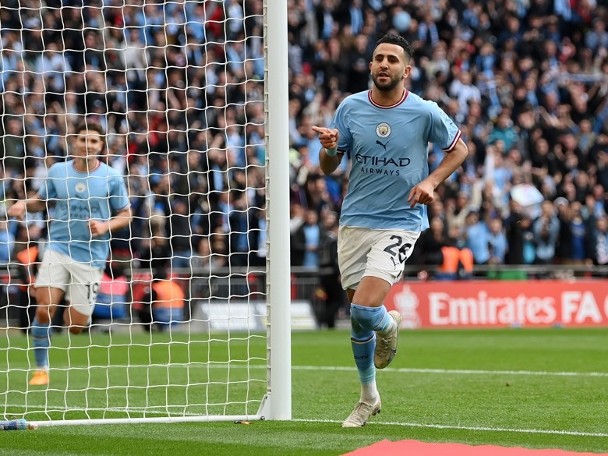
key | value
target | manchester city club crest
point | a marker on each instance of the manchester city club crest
(80, 187)
(383, 130)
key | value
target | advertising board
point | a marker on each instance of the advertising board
(437, 304)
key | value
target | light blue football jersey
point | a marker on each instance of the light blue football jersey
(388, 148)
(74, 197)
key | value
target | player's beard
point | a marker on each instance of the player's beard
(388, 86)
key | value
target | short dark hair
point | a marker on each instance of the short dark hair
(87, 125)
(393, 38)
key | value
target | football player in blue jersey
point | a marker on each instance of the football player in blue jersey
(385, 132)
(86, 200)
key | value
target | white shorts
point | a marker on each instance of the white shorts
(79, 281)
(377, 253)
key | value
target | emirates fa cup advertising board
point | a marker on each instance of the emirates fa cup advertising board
(473, 304)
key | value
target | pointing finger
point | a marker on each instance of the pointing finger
(410, 196)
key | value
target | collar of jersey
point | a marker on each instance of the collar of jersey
(405, 94)
(88, 171)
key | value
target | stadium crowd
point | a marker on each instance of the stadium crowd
(178, 86)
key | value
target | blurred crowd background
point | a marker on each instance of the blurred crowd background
(179, 87)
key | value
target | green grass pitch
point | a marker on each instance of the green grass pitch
(537, 388)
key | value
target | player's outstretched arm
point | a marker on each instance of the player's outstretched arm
(329, 157)
(121, 219)
(424, 192)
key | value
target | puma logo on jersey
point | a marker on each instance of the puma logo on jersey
(383, 145)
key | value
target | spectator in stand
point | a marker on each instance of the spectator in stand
(478, 238)
(596, 202)
(308, 240)
(239, 225)
(202, 258)
(457, 211)
(441, 252)
(258, 230)
(564, 247)
(358, 67)
(316, 194)
(329, 272)
(546, 233)
(180, 234)
(431, 242)
(580, 236)
(463, 90)
(544, 161)
(599, 242)
(12, 148)
(296, 217)
(54, 67)
(497, 241)
(519, 236)
(164, 303)
(503, 130)
(112, 298)
(155, 250)
(597, 38)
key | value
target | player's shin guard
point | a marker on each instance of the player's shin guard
(42, 342)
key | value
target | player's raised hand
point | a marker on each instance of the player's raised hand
(327, 136)
(423, 193)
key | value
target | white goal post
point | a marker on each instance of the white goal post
(193, 97)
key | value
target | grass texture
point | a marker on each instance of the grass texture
(536, 388)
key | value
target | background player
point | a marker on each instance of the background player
(86, 200)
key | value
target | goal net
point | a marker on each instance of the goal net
(191, 317)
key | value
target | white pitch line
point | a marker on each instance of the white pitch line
(470, 428)
(461, 371)
(404, 370)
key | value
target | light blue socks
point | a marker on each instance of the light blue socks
(42, 342)
(363, 342)
(364, 321)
